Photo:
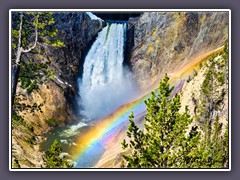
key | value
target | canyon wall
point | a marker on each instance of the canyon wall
(164, 41)
(53, 103)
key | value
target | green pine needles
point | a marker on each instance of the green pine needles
(53, 158)
(168, 140)
(163, 143)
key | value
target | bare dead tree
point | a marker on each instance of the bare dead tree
(21, 50)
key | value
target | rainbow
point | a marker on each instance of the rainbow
(91, 144)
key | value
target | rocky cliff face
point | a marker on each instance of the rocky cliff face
(77, 31)
(53, 103)
(163, 41)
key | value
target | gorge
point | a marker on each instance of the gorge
(107, 69)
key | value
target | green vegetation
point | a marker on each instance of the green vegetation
(19, 123)
(35, 24)
(20, 106)
(169, 140)
(31, 140)
(16, 120)
(31, 32)
(31, 74)
(213, 88)
(163, 143)
(52, 122)
(209, 108)
(53, 158)
(15, 164)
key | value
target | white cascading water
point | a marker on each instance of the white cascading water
(105, 83)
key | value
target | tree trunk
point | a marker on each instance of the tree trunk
(15, 71)
(16, 67)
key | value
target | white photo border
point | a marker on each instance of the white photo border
(117, 10)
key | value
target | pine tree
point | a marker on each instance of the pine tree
(163, 143)
(214, 145)
(53, 157)
(30, 30)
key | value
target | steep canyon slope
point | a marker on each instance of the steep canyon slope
(53, 103)
(164, 41)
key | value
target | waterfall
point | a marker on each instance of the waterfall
(106, 84)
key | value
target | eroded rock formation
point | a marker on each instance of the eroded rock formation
(163, 41)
